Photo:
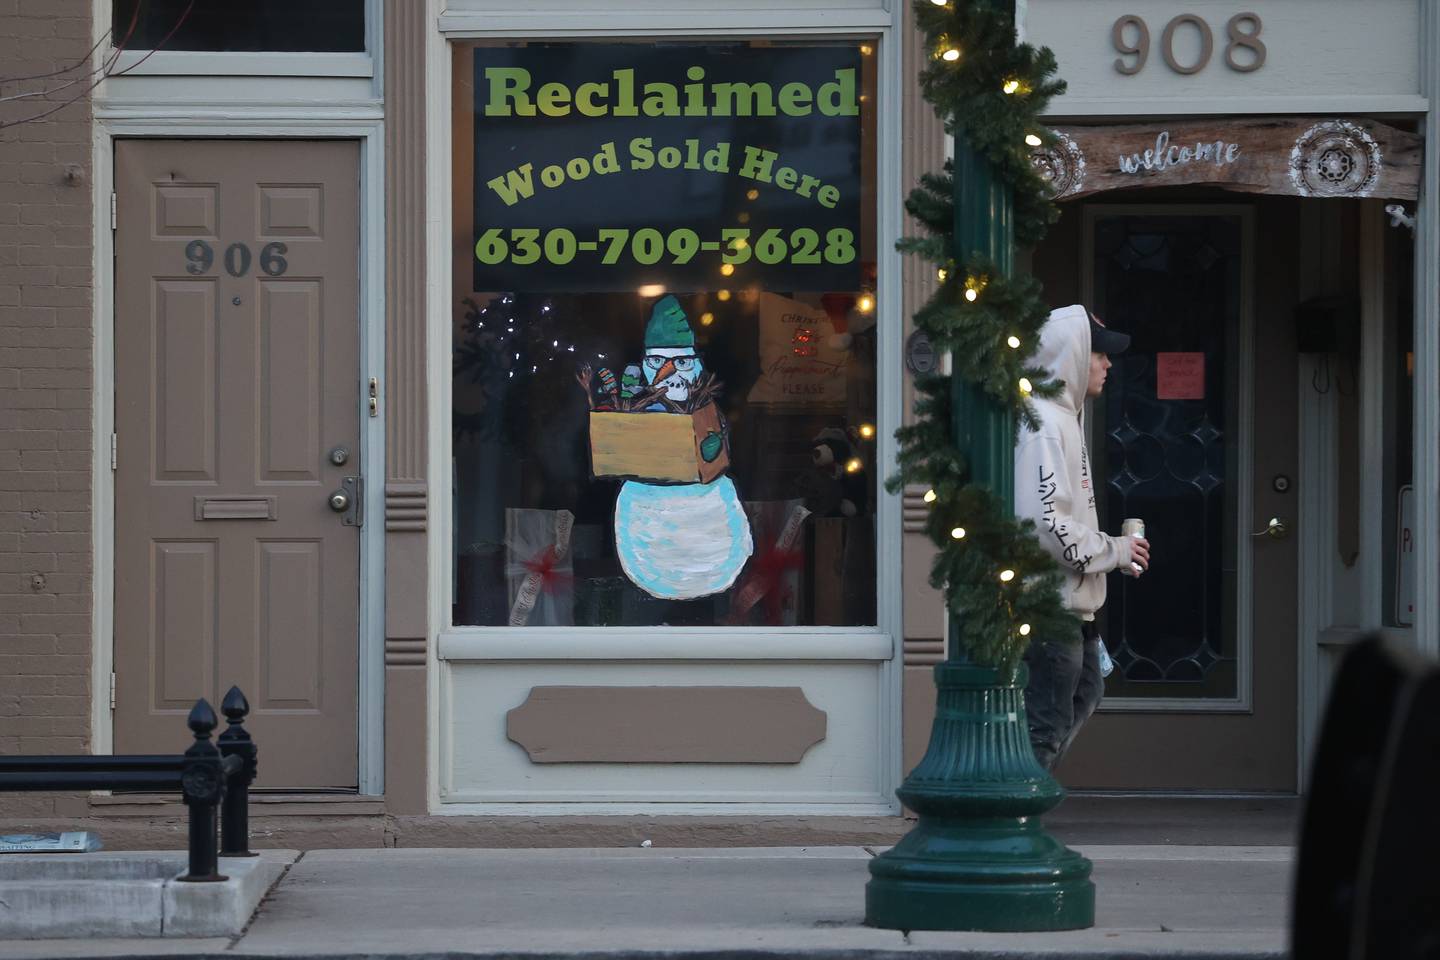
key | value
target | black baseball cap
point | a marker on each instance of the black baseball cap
(1105, 340)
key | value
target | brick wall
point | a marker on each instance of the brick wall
(45, 388)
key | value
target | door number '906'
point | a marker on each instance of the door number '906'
(200, 257)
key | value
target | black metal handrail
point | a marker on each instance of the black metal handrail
(209, 777)
(123, 763)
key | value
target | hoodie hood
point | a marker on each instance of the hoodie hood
(1053, 485)
(1065, 354)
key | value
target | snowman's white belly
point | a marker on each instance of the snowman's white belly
(681, 542)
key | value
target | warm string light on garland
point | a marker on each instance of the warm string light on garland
(991, 92)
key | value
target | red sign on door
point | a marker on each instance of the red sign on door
(1180, 376)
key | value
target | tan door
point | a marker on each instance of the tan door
(1195, 434)
(237, 373)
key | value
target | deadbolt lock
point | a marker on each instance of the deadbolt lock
(339, 456)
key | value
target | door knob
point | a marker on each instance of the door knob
(1276, 529)
(349, 501)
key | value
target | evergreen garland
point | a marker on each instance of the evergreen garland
(999, 583)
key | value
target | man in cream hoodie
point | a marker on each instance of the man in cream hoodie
(1054, 488)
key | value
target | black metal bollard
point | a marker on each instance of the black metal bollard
(203, 783)
(235, 741)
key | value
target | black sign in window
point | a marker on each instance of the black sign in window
(615, 166)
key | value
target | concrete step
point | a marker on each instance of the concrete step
(99, 895)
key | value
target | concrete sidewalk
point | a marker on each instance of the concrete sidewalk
(1153, 901)
(320, 822)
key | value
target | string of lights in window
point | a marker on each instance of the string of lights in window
(511, 333)
(999, 583)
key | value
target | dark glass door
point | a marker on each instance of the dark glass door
(1164, 437)
(1198, 420)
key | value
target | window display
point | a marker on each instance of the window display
(664, 338)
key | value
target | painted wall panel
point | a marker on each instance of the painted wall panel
(183, 656)
(292, 370)
(480, 765)
(184, 418)
(291, 623)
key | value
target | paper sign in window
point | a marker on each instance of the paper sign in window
(1180, 376)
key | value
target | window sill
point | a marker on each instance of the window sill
(194, 63)
(664, 643)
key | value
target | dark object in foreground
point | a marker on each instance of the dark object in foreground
(207, 776)
(1368, 839)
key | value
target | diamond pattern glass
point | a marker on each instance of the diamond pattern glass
(1163, 438)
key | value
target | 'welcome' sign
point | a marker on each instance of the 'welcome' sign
(608, 167)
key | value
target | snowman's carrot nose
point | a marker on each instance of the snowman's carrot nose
(665, 371)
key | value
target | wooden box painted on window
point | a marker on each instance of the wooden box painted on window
(658, 447)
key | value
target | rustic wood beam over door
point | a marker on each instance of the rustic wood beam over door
(1285, 156)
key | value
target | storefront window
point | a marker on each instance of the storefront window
(664, 334)
(299, 26)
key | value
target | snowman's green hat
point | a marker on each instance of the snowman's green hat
(668, 326)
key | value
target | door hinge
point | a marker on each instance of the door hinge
(113, 214)
(112, 690)
(114, 451)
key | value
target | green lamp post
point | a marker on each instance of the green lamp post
(978, 857)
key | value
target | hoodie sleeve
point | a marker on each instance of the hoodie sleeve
(1043, 494)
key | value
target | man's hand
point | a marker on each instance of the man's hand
(1139, 554)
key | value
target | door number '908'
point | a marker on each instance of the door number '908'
(200, 257)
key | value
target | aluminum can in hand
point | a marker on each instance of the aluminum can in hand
(1134, 527)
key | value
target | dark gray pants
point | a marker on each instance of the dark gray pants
(1065, 688)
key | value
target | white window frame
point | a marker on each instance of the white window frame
(880, 644)
(250, 63)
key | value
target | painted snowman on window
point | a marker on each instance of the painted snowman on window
(679, 541)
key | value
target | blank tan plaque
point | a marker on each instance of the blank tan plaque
(655, 445)
(666, 725)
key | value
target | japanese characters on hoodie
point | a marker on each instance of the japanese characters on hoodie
(1053, 485)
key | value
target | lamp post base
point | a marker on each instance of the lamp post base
(979, 859)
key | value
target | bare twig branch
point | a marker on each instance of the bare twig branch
(63, 70)
(109, 66)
